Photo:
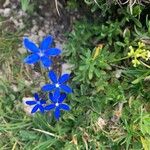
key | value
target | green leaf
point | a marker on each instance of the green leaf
(26, 135)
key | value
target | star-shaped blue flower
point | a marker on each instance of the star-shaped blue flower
(57, 104)
(57, 84)
(40, 53)
(37, 102)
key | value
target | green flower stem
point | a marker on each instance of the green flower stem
(144, 64)
(140, 78)
(43, 72)
(123, 58)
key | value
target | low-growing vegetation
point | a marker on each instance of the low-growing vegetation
(108, 53)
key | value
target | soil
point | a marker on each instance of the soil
(45, 19)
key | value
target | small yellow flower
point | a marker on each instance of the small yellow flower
(141, 45)
(131, 53)
(138, 53)
(135, 62)
(148, 55)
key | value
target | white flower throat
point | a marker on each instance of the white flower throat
(57, 104)
(41, 54)
(57, 85)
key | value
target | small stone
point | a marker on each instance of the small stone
(118, 73)
(28, 83)
(34, 29)
(34, 22)
(27, 108)
(66, 68)
(101, 123)
(47, 14)
(14, 6)
(41, 33)
(1, 11)
(15, 22)
(47, 31)
(34, 38)
(22, 13)
(41, 7)
(22, 50)
(47, 26)
(26, 35)
(41, 18)
(7, 2)
(7, 12)
(14, 87)
(21, 25)
(46, 22)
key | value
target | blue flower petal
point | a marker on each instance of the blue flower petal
(57, 113)
(36, 96)
(63, 78)
(52, 76)
(64, 107)
(30, 45)
(52, 52)
(41, 108)
(49, 107)
(46, 43)
(62, 98)
(35, 108)
(46, 61)
(66, 88)
(51, 97)
(30, 102)
(42, 102)
(56, 94)
(31, 59)
(48, 87)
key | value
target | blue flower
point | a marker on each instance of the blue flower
(57, 84)
(57, 103)
(38, 104)
(40, 53)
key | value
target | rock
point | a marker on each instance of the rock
(47, 31)
(7, 2)
(18, 23)
(14, 6)
(15, 88)
(34, 38)
(40, 7)
(58, 45)
(34, 29)
(28, 83)
(21, 25)
(41, 33)
(118, 73)
(21, 14)
(41, 18)
(101, 123)
(34, 22)
(7, 12)
(47, 26)
(27, 108)
(66, 68)
(22, 50)
(47, 14)
(1, 11)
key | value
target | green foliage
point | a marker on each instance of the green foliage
(110, 100)
(27, 6)
(103, 76)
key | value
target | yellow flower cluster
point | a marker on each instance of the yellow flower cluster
(138, 53)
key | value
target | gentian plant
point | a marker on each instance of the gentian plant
(58, 89)
(41, 53)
